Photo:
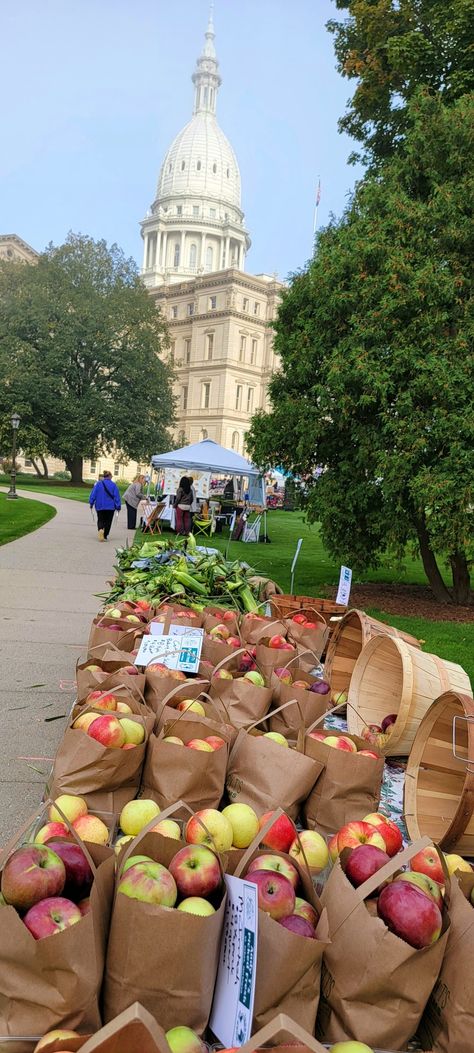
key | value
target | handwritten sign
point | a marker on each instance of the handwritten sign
(175, 650)
(344, 590)
(232, 1008)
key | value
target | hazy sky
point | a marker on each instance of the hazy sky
(94, 91)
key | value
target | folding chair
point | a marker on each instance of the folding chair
(151, 517)
(206, 527)
(252, 530)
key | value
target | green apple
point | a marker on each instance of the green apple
(134, 732)
(255, 678)
(244, 823)
(135, 859)
(351, 1047)
(184, 1040)
(276, 737)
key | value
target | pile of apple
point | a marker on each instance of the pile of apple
(208, 745)
(306, 623)
(375, 830)
(339, 741)
(100, 674)
(250, 674)
(137, 814)
(318, 687)
(87, 827)
(378, 734)
(48, 885)
(191, 881)
(223, 634)
(278, 643)
(123, 734)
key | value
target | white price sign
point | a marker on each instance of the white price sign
(344, 590)
(232, 1008)
(176, 651)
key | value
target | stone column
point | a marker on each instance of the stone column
(165, 248)
(227, 250)
(158, 250)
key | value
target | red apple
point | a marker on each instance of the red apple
(49, 831)
(222, 674)
(428, 862)
(79, 876)
(276, 895)
(31, 874)
(388, 722)
(108, 731)
(364, 861)
(277, 865)
(215, 741)
(196, 871)
(388, 829)
(410, 914)
(311, 625)
(283, 674)
(341, 742)
(246, 664)
(333, 848)
(229, 616)
(101, 701)
(130, 670)
(200, 744)
(368, 753)
(359, 833)
(300, 619)
(277, 642)
(287, 646)
(233, 641)
(318, 735)
(295, 923)
(149, 882)
(221, 632)
(301, 684)
(369, 732)
(281, 835)
(50, 916)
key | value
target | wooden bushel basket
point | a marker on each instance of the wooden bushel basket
(349, 637)
(439, 784)
(392, 677)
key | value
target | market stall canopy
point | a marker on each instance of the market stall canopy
(206, 455)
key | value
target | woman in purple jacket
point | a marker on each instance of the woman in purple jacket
(106, 498)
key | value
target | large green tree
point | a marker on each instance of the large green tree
(377, 372)
(80, 346)
(391, 48)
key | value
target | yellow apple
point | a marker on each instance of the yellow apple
(121, 841)
(123, 707)
(137, 814)
(454, 862)
(315, 849)
(351, 1047)
(91, 828)
(54, 1036)
(244, 823)
(133, 731)
(167, 828)
(276, 737)
(71, 807)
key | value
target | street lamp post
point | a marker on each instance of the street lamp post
(12, 494)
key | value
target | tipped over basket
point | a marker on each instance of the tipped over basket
(439, 783)
(392, 677)
(349, 637)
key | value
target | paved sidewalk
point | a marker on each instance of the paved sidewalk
(48, 582)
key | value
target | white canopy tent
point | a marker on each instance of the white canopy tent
(209, 456)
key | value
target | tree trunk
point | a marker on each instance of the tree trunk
(74, 466)
(36, 468)
(461, 579)
(45, 466)
(432, 571)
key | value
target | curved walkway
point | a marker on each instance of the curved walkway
(48, 582)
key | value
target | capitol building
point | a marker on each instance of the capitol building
(195, 243)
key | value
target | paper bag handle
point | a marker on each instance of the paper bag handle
(238, 650)
(291, 702)
(13, 841)
(259, 837)
(391, 867)
(282, 1023)
(297, 656)
(328, 714)
(180, 687)
(172, 808)
(184, 712)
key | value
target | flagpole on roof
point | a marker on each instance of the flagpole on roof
(316, 206)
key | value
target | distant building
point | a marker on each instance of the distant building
(14, 249)
(195, 243)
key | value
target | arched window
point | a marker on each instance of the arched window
(170, 167)
(214, 168)
(198, 166)
(235, 440)
(203, 434)
(209, 257)
(176, 255)
(205, 96)
(183, 165)
(192, 255)
(228, 173)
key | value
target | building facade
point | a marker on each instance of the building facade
(195, 243)
(15, 250)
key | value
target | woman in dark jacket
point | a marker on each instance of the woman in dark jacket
(182, 503)
(106, 498)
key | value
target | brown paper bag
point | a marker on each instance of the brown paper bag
(270, 658)
(288, 966)
(133, 1031)
(110, 674)
(158, 688)
(313, 639)
(244, 701)
(256, 627)
(212, 616)
(374, 985)
(311, 707)
(448, 1021)
(347, 787)
(164, 958)
(107, 778)
(55, 981)
(215, 650)
(173, 772)
(101, 634)
(287, 1030)
(265, 775)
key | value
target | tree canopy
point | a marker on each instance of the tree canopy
(392, 47)
(376, 383)
(80, 344)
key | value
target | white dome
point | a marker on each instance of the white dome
(200, 162)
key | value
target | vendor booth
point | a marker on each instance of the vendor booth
(223, 480)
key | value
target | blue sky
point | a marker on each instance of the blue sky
(93, 92)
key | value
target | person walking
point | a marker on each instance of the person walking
(132, 497)
(182, 503)
(106, 498)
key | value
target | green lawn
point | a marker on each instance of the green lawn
(56, 487)
(21, 517)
